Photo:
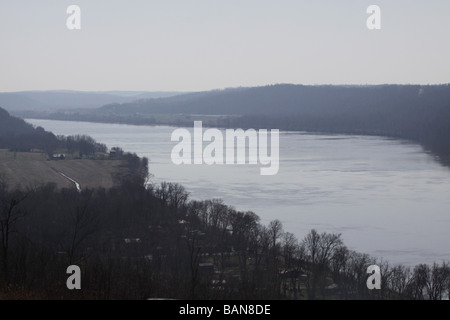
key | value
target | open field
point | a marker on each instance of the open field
(32, 169)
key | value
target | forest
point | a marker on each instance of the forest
(135, 242)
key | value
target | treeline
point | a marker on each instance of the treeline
(79, 146)
(20, 136)
(135, 242)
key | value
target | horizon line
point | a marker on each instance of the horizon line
(223, 88)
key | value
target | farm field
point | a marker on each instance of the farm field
(26, 169)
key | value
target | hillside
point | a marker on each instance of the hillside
(11, 125)
(280, 100)
(27, 158)
(18, 135)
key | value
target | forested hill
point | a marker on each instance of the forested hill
(20, 102)
(12, 125)
(282, 100)
(16, 134)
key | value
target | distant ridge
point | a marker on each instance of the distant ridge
(55, 100)
(288, 99)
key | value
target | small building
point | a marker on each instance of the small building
(115, 153)
(58, 156)
(131, 241)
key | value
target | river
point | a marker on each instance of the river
(387, 197)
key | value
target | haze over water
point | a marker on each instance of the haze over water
(387, 197)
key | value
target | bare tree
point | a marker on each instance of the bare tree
(260, 247)
(399, 281)
(429, 283)
(320, 248)
(244, 227)
(10, 212)
(194, 239)
(289, 250)
(418, 283)
(289, 245)
(81, 223)
(437, 280)
(173, 194)
(275, 231)
(217, 212)
(339, 267)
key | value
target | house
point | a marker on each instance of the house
(115, 152)
(58, 156)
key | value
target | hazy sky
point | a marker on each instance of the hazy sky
(193, 45)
